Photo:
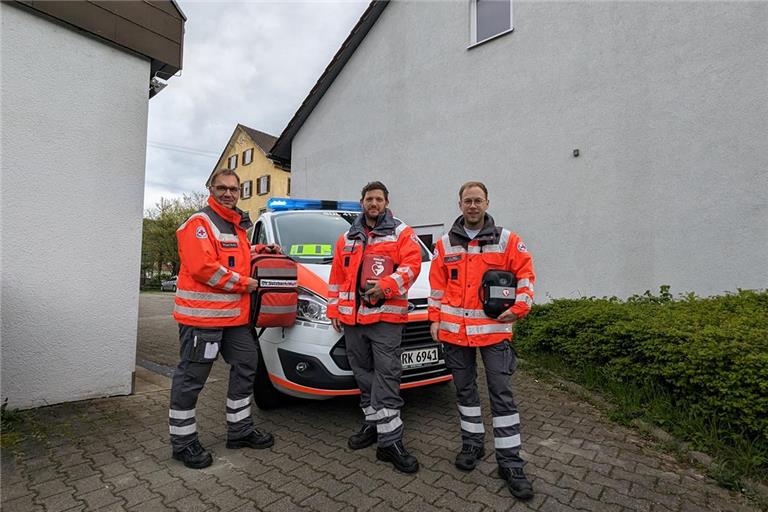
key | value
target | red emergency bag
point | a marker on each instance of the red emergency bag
(274, 303)
(373, 268)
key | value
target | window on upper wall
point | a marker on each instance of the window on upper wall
(288, 189)
(246, 189)
(262, 185)
(247, 156)
(232, 162)
(489, 19)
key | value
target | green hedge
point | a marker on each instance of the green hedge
(710, 354)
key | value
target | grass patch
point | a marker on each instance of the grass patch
(11, 426)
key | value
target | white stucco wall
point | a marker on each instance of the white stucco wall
(667, 103)
(74, 117)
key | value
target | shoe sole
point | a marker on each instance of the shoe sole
(353, 446)
(521, 495)
(404, 469)
(234, 445)
(193, 465)
(474, 464)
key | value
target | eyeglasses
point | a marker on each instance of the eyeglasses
(223, 188)
(477, 202)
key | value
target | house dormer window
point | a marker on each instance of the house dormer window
(247, 156)
(489, 19)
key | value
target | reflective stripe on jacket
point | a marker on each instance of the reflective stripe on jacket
(456, 275)
(215, 266)
(392, 238)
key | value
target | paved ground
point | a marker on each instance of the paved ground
(113, 454)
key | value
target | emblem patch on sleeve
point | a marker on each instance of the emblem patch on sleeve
(521, 247)
(200, 232)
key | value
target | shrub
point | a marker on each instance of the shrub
(709, 354)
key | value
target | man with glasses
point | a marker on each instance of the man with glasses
(473, 246)
(212, 307)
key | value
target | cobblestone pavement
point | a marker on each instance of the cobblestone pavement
(113, 454)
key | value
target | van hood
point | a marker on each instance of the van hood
(419, 290)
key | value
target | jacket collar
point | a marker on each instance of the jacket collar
(488, 234)
(385, 225)
(236, 216)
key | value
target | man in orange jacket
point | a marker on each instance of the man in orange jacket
(372, 315)
(212, 306)
(473, 246)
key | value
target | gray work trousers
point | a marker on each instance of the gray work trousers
(374, 355)
(199, 349)
(500, 363)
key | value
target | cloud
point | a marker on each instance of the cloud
(244, 62)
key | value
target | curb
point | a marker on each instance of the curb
(696, 457)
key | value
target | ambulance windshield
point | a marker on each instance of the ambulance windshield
(310, 236)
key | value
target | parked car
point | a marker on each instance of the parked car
(309, 359)
(169, 285)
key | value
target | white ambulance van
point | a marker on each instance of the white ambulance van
(309, 360)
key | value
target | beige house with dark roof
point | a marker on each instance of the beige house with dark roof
(260, 177)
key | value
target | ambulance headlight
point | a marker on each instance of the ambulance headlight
(312, 307)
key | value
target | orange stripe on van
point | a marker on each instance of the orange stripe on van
(311, 281)
(444, 378)
(341, 392)
(313, 391)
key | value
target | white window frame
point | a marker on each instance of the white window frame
(247, 189)
(249, 154)
(229, 162)
(473, 25)
(259, 190)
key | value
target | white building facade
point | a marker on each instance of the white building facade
(74, 118)
(665, 103)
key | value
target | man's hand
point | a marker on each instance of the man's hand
(375, 294)
(508, 317)
(252, 285)
(434, 329)
(265, 249)
(336, 324)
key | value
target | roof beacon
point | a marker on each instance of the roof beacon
(277, 204)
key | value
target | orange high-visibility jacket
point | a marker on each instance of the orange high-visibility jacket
(390, 237)
(215, 266)
(456, 275)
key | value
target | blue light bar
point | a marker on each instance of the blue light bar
(277, 204)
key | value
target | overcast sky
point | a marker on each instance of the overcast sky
(248, 62)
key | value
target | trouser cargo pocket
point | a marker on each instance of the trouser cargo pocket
(204, 345)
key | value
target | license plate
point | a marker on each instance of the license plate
(421, 357)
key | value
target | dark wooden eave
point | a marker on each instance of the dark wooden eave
(152, 28)
(281, 151)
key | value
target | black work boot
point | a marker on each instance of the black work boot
(398, 456)
(469, 456)
(518, 485)
(364, 438)
(255, 439)
(194, 456)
